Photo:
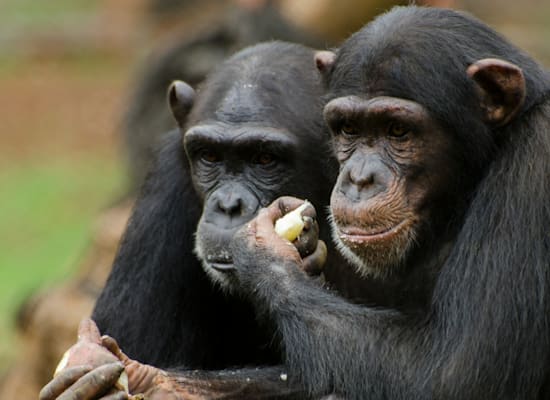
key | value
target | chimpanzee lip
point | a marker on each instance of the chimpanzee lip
(355, 234)
(222, 266)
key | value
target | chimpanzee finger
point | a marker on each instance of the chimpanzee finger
(309, 211)
(314, 263)
(94, 383)
(306, 243)
(63, 381)
(112, 345)
(261, 232)
(282, 206)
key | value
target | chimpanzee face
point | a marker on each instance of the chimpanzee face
(236, 170)
(390, 152)
(413, 141)
(253, 133)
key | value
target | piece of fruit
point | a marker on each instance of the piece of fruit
(291, 224)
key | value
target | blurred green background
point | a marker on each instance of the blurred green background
(65, 69)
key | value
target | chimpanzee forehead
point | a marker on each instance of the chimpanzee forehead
(387, 57)
(249, 103)
(411, 53)
(274, 84)
(243, 103)
(276, 102)
(422, 54)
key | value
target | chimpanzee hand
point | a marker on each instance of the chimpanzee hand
(96, 368)
(85, 383)
(258, 252)
(87, 371)
(142, 378)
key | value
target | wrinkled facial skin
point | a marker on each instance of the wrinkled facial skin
(394, 165)
(236, 170)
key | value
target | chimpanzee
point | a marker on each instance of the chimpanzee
(254, 133)
(442, 132)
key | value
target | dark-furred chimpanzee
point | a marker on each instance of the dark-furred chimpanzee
(442, 131)
(254, 133)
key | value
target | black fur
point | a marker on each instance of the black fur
(486, 331)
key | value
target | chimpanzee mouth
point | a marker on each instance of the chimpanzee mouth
(356, 235)
(222, 266)
(220, 261)
(216, 258)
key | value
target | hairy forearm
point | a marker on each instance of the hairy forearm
(255, 383)
(333, 345)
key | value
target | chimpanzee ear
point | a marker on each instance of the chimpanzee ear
(324, 61)
(501, 86)
(181, 98)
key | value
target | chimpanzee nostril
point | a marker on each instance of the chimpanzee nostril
(361, 178)
(230, 205)
(365, 177)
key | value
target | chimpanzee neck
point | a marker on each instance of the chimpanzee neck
(408, 288)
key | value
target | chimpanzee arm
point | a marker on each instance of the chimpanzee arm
(81, 383)
(79, 380)
(334, 346)
(258, 383)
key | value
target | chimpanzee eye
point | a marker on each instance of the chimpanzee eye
(398, 130)
(210, 156)
(348, 129)
(264, 159)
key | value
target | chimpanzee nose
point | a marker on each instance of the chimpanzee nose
(230, 204)
(365, 178)
(362, 178)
